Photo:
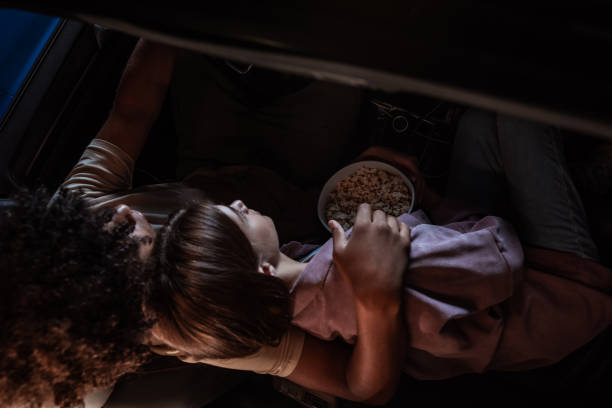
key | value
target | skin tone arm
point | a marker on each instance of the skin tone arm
(140, 96)
(373, 260)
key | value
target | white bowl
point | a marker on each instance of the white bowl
(346, 172)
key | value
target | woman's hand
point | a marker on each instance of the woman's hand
(374, 258)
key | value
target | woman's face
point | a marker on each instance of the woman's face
(259, 230)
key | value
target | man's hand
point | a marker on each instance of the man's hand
(409, 165)
(374, 258)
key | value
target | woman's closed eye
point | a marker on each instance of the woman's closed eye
(144, 240)
(241, 214)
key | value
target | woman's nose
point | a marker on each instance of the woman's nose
(239, 206)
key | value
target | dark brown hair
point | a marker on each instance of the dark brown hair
(207, 296)
(71, 297)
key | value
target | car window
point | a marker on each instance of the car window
(22, 39)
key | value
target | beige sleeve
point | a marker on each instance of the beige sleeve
(103, 170)
(279, 361)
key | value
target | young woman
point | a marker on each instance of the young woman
(470, 298)
(234, 301)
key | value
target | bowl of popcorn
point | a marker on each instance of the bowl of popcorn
(379, 184)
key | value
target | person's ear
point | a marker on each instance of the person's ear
(267, 269)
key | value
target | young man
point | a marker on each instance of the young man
(70, 301)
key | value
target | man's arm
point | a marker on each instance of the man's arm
(373, 260)
(367, 372)
(140, 96)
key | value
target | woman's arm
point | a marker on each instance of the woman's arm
(373, 260)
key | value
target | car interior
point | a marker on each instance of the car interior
(552, 69)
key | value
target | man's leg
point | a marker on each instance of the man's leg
(516, 169)
(549, 210)
(476, 176)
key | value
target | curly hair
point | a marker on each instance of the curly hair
(206, 293)
(71, 301)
